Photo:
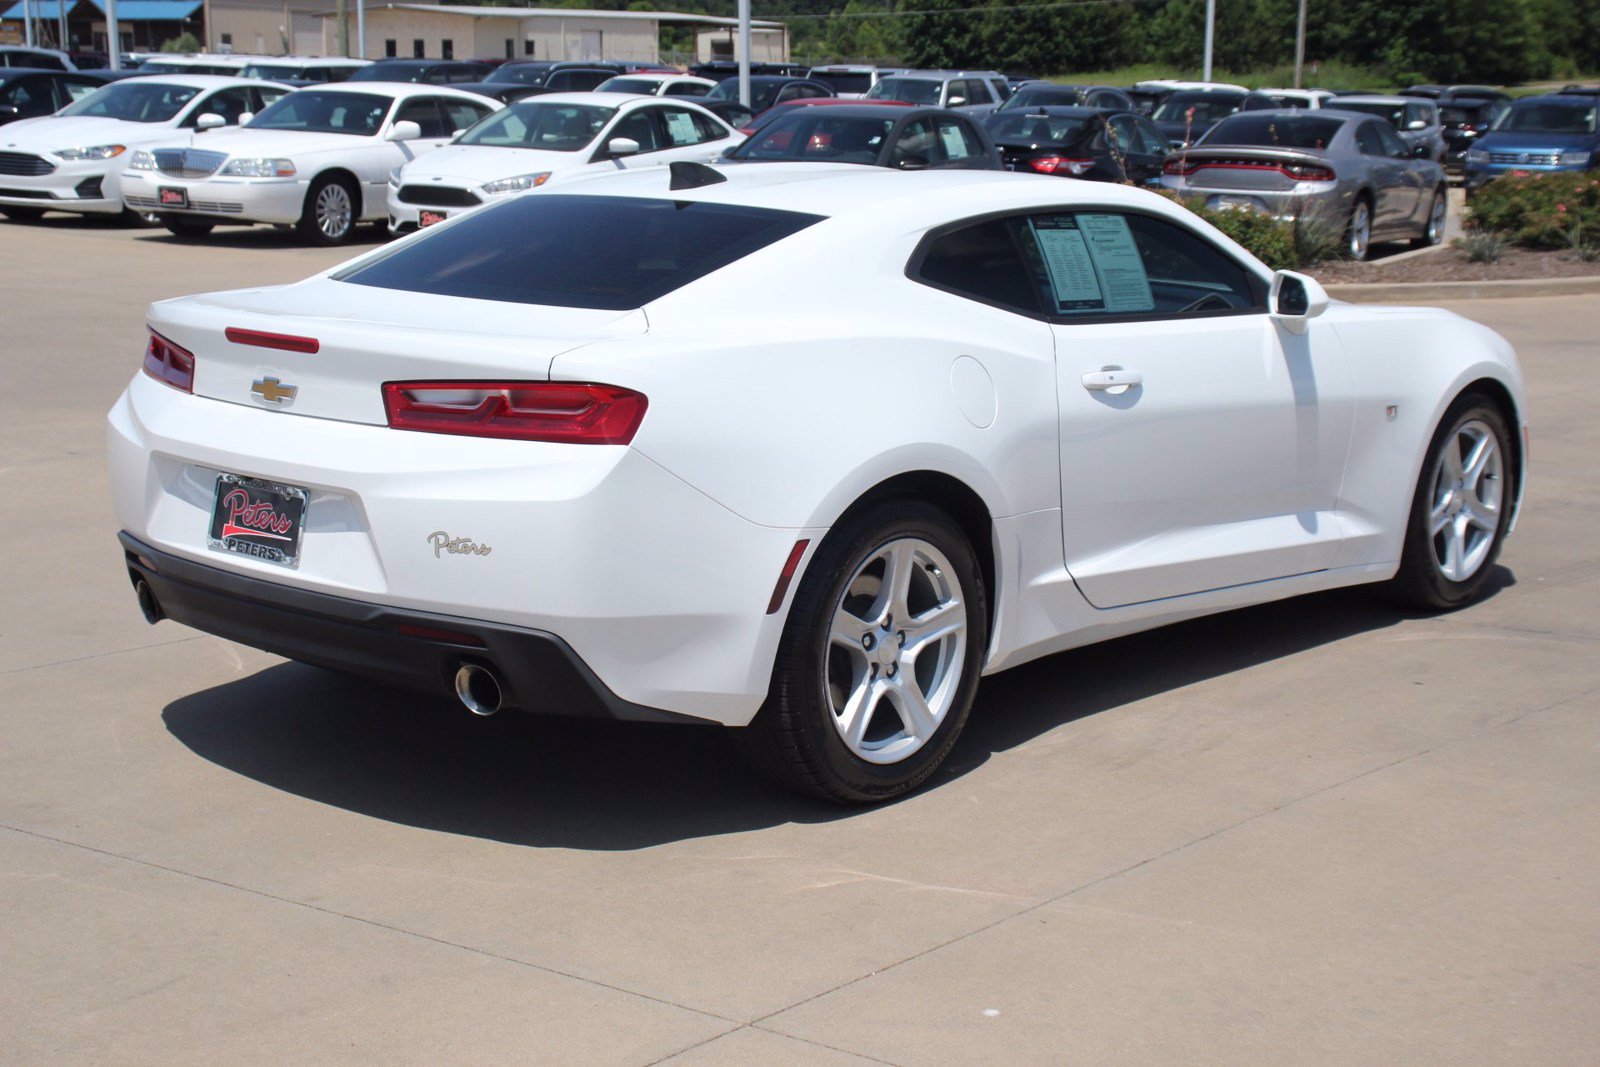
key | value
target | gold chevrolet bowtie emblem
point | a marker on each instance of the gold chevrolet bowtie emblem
(273, 391)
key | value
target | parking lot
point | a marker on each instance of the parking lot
(1317, 831)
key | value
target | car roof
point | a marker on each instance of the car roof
(377, 88)
(864, 109)
(1063, 111)
(191, 81)
(1576, 100)
(1382, 98)
(945, 75)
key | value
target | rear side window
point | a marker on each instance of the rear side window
(539, 250)
(983, 262)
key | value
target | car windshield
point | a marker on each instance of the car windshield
(138, 100)
(818, 138)
(389, 72)
(548, 127)
(1207, 108)
(911, 90)
(1547, 118)
(518, 74)
(1463, 116)
(762, 93)
(1273, 102)
(325, 111)
(1041, 129)
(1393, 114)
(267, 72)
(841, 81)
(1306, 130)
(539, 250)
(1039, 95)
(643, 86)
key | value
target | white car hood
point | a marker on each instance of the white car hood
(476, 163)
(52, 132)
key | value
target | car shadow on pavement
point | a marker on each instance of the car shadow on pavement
(367, 237)
(583, 784)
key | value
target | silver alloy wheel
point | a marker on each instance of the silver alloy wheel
(1360, 230)
(334, 210)
(1467, 495)
(1436, 220)
(896, 647)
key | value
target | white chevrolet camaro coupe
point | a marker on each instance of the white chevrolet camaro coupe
(552, 138)
(567, 454)
(316, 160)
(71, 161)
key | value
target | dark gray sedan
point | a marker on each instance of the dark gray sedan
(1347, 170)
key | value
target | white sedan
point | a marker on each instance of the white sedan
(317, 160)
(552, 138)
(569, 453)
(70, 161)
(647, 84)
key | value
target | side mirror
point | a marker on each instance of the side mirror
(956, 101)
(403, 131)
(457, 135)
(1421, 151)
(913, 163)
(245, 117)
(1416, 124)
(210, 121)
(10, 109)
(622, 146)
(1295, 299)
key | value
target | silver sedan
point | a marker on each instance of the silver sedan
(1344, 170)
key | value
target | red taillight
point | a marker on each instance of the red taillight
(1061, 165)
(1308, 172)
(1174, 166)
(169, 364)
(1300, 172)
(578, 413)
(281, 341)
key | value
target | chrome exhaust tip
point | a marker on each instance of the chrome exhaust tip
(148, 607)
(478, 689)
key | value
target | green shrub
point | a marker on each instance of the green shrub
(1481, 246)
(1272, 242)
(184, 42)
(1539, 210)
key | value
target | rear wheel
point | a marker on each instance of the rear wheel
(1358, 234)
(879, 661)
(1433, 231)
(182, 226)
(1461, 509)
(330, 213)
(22, 214)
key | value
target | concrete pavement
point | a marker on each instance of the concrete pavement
(1318, 831)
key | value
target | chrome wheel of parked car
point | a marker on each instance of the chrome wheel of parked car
(895, 651)
(879, 659)
(330, 212)
(1462, 508)
(1434, 232)
(1359, 234)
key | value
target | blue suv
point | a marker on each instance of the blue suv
(1539, 133)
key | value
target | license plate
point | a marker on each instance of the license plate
(428, 218)
(171, 197)
(1235, 203)
(258, 519)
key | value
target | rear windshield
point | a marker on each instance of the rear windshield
(1030, 95)
(268, 72)
(389, 72)
(843, 82)
(518, 74)
(1275, 131)
(1041, 129)
(1273, 102)
(1394, 114)
(911, 90)
(1207, 107)
(539, 249)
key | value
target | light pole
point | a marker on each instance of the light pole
(1300, 45)
(361, 29)
(27, 22)
(1211, 26)
(113, 38)
(744, 52)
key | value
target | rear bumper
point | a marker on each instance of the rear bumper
(539, 672)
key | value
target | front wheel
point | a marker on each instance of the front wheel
(1461, 509)
(330, 214)
(183, 227)
(879, 660)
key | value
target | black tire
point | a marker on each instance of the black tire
(1355, 249)
(183, 227)
(793, 740)
(316, 223)
(1431, 234)
(1422, 581)
(22, 214)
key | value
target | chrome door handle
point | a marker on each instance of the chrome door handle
(1100, 380)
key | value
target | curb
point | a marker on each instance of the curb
(1424, 292)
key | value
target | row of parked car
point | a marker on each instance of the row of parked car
(194, 151)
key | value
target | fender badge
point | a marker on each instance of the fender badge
(273, 391)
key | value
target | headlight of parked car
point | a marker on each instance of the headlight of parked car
(99, 151)
(259, 168)
(1580, 158)
(142, 160)
(517, 184)
(1477, 155)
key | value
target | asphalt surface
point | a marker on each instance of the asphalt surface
(1314, 832)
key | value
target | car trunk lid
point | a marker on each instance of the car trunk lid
(1249, 169)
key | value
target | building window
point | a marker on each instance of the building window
(389, 50)
(448, 49)
(511, 48)
(227, 39)
(417, 51)
(527, 47)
